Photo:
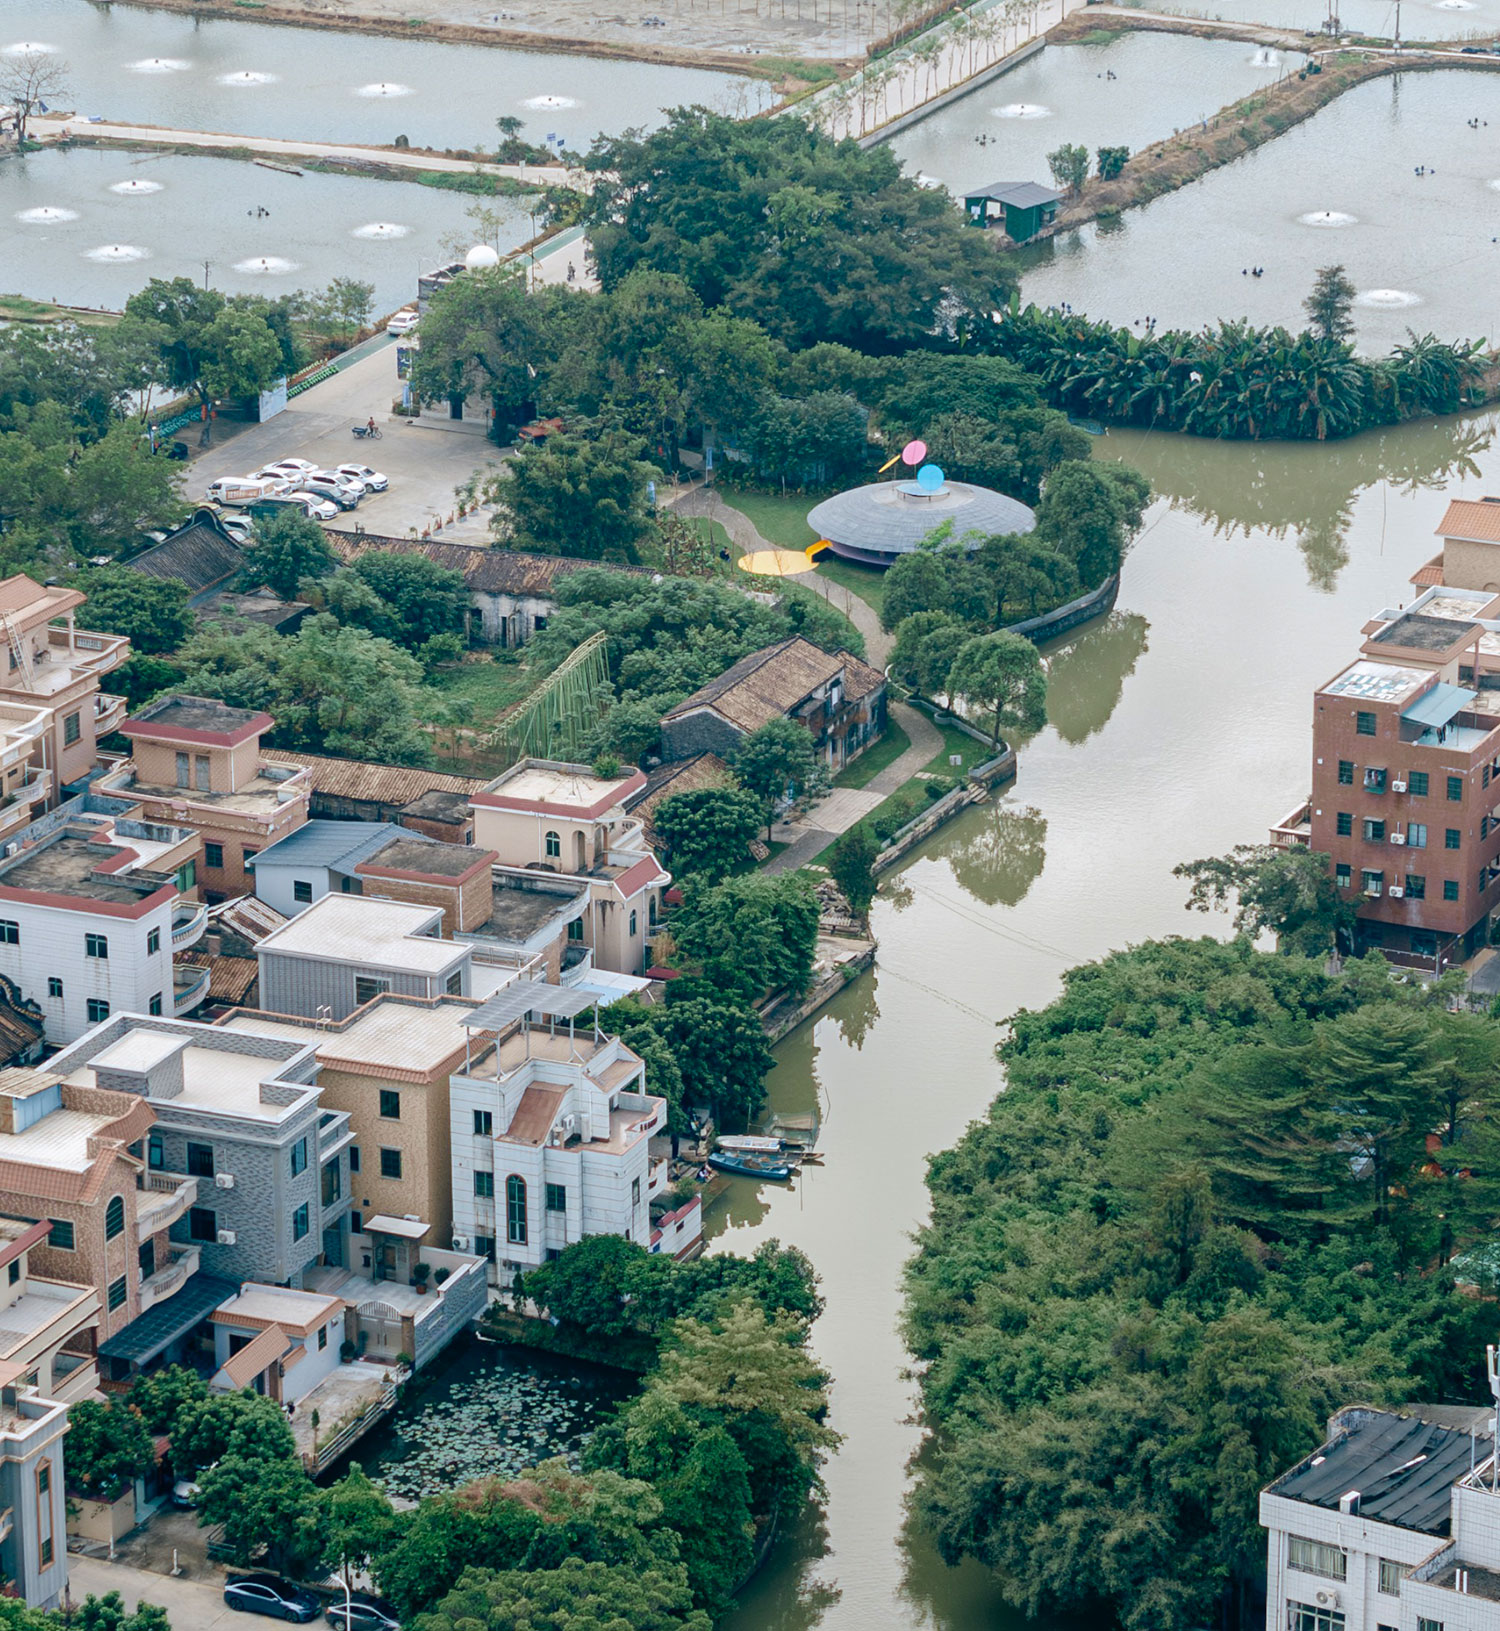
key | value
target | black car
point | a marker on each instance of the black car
(363, 1615)
(265, 1594)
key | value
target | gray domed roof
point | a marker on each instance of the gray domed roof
(891, 518)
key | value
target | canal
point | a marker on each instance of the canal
(1179, 727)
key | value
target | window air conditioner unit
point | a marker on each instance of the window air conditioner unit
(1398, 787)
(1398, 837)
(224, 1180)
(1328, 1599)
(1396, 891)
(226, 1237)
(460, 1243)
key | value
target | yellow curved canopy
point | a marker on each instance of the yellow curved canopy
(777, 563)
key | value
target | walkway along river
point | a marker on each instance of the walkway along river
(1179, 727)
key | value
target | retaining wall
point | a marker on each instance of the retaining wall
(905, 121)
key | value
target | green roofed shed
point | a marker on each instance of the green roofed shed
(1025, 206)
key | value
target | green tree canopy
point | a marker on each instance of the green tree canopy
(286, 548)
(576, 496)
(1089, 512)
(707, 831)
(1330, 305)
(776, 760)
(1289, 892)
(575, 1596)
(153, 612)
(1002, 675)
(269, 1503)
(851, 865)
(749, 935)
(109, 1447)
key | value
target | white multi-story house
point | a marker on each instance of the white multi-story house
(1393, 1524)
(551, 1131)
(91, 912)
(545, 816)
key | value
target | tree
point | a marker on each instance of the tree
(481, 1527)
(575, 1596)
(244, 1426)
(1288, 892)
(1089, 512)
(775, 760)
(720, 1050)
(359, 1521)
(1069, 165)
(576, 497)
(266, 1502)
(708, 830)
(750, 935)
(1002, 674)
(202, 342)
(27, 81)
(109, 1447)
(851, 865)
(421, 598)
(345, 306)
(108, 1613)
(152, 612)
(329, 688)
(286, 548)
(1111, 161)
(918, 582)
(160, 1394)
(927, 645)
(1330, 306)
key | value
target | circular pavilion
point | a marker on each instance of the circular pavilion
(875, 525)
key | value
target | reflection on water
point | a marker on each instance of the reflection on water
(1086, 674)
(796, 1594)
(996, 855)
(856, 1017)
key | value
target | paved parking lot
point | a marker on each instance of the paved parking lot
(191, 1605)
(425, 458)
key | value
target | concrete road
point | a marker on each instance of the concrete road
(191, 1605)
(426, 458)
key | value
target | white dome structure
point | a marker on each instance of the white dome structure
(480, 256)
(876, 525)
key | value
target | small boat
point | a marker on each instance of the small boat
(750, 1144)
(750, 1165)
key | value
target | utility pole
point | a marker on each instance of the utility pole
(206, 266)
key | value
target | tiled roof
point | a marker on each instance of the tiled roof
(487, 571)
(392, 785)
(199, 554)
(229, 978)
(1475, 519)
(768, 683)
(535, 1114)
(1425, 577)
(249, 918)
(680, 776)
(260, 1351)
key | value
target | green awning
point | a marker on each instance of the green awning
(1436, 707)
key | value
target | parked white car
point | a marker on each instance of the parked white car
(403, 322)
(373, 479)
(239, 527)
(288, 468)
(244, 489)
(318, 507)
(337, 478)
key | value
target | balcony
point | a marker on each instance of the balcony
(161, 1201)
(189, 920)
(181, 1264)
(1294, 828)
(74, 1377)
(109, 710)
(189, 988)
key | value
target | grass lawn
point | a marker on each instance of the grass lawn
(868, 582)
(783, 521)
(956, 741)
(487, 688)
(873, 760)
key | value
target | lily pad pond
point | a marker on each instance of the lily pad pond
(488, 1411)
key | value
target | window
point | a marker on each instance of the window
(322, 1337)
(1364, 724)
(1390, 1577)
(484, 1185)
(484, 1123)
(356, 1223)
(515, 1210)
(1452, 838)
(187, 876)
(44, 1513)
(98, 1010)
(632, 925)
(248, 854)
(557, 1198)
(455, 983)
(300, 1222)
(60, 1234)
(354, 1158)
(390, 1163)
(1424, 1624)
(1450, 888)
(153, 942)
(333, 1182)
(1371, 882)
(156, 1155)
(213, 855)
(200, 1160)
(1309, 1617)
(116, 1293)
(114, 1217)
(1314, 1557)
(14, 1269)
(575, 929)
(1342, 876)
(1346, 772)
(367, 988)
(484, 1246)
(299, 1157)
(1416, 886)
(1416, 784)
(635, 1192)
(54, 986)
(1374, 831)
(154, 1005)
(203, 1224)
(1484, 827)
(72, 730)
(1455, 788)
(554, 845)
(1416, 835)
(184, 770)
(1344, 824)
(390, 1104)
(1374, 780)
(10, 932)
(96, 945)
(302, 891)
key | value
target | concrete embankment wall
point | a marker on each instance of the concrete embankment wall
(916, 115)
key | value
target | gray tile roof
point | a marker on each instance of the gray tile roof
(340, 844)
(1020, 195)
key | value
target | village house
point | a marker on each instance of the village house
(280, 1342)
(426, 801)
(838, 697)
(198, 762)
(33, 1499)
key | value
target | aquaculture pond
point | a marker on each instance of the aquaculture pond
(1380, 19)
(1128, 91)
(484, 1410)
(1398, 180)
